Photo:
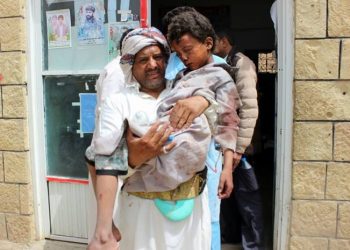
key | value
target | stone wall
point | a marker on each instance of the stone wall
(16, 205)
(321, 147)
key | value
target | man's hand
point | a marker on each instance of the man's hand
(236, 159)
(225, 184)
(184, 111)
(150, 145)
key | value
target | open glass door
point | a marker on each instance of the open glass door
(79, 38)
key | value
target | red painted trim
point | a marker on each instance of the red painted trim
(143, 13)
(67, 180)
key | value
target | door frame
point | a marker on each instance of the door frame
(284, 124)
(36, 123)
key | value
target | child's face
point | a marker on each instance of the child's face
(193, 53)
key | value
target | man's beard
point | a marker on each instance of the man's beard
(154, 83)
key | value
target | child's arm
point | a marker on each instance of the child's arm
(227, 127)
(226, 181)
(186, 110)
(228, 120)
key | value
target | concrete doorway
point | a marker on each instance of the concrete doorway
(255, 35)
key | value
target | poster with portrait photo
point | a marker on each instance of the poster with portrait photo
(89, 21)
(58, 29)
(116, 29)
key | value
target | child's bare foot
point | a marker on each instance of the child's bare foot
(116, 232)
(106, 242)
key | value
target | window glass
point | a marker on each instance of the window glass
(65, 142)
(78, 36)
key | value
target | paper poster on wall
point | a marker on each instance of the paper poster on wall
(89, 21)
(116, 30)
(87, 112)
(58, 29)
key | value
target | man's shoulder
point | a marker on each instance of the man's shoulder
(113, 71)
(242, 58)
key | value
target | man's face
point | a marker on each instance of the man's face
(193, 53)
(89, 14)
(219, 48)
(149, 69)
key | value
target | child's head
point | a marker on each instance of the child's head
(168, 17)
(192, 37)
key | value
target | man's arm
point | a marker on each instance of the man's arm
(152, 144)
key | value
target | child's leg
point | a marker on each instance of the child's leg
(92, 171)
(106, 189)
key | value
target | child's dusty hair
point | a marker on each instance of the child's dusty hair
(168, 17)
(192, 23)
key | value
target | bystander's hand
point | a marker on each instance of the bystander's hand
(186, 110)
(236, 159)
(225, 184)
(152, 144)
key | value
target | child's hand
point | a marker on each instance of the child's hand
(225, 184)
(186, 110)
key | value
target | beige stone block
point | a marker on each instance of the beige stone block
(338, 18)
(14, 101)
(26, 199)
(345, 60)
(1, 95)
(16, 167)
(342, 141)
(14, 28)
(9, 198)
(309, 180)
(322, 100)
(312, 141)
(3, 231)
(343, 229)
(13, 68)
(338, 184)
(317, 59)
(337, 244)
(10, 8)
(311, 18)
(20, 228)
(2, 176)
(14, 134)
(314, 218)
(309, 243)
